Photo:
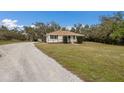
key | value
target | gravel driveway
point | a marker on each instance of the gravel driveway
(24, 62)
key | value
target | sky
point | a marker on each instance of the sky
(64, 18)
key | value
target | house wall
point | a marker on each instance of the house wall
(59, 40)
(73, 40)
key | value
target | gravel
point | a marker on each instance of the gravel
(23, 62)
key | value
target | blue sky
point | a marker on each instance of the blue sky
(64, 18)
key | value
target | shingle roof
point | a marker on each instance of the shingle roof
(64, 33)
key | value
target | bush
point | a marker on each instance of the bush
(79, 39)
(10, 35)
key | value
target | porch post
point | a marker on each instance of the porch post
(72, 40)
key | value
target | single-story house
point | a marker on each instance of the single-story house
(62, 37)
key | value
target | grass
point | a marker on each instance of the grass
(3, 42)
(89, 61)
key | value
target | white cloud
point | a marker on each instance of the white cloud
(83, 25)
(33, 26)
(69, 27)
(20, 27)
(11, 24)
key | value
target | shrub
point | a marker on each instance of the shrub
(79, 39)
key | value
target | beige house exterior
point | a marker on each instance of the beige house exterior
(62, 37)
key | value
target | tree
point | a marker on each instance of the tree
(55, 26)
(78, 27)
(73, 29)
(108, 26)
(30, 33)
(6, 34)
(4, 28)
(63, 29)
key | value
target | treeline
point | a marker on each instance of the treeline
(6, 34)
(109, 30)
(38, 32)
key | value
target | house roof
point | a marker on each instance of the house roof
(64, 33)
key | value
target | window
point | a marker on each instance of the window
(53, 37)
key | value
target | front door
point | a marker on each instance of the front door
(65, 39)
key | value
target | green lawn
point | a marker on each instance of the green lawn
(2, 42)
(89, 61)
